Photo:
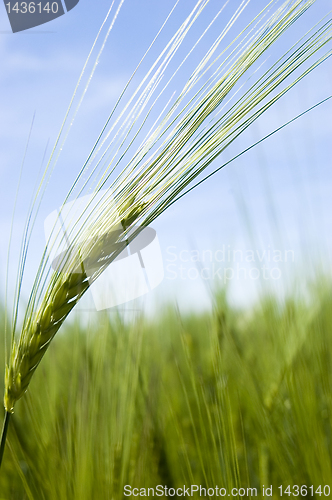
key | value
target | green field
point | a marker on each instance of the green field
(232, 398)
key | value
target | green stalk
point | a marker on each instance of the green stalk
(4, 435)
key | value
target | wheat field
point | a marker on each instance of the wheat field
(233, 398)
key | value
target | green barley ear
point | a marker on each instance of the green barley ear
(131, 212)
(192, 132)
(37, 335)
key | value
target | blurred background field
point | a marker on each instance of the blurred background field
(232, 397)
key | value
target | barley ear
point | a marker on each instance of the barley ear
(38, 333)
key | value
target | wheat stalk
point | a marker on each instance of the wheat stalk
(190, 134)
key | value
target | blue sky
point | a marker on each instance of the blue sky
(275, 198)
